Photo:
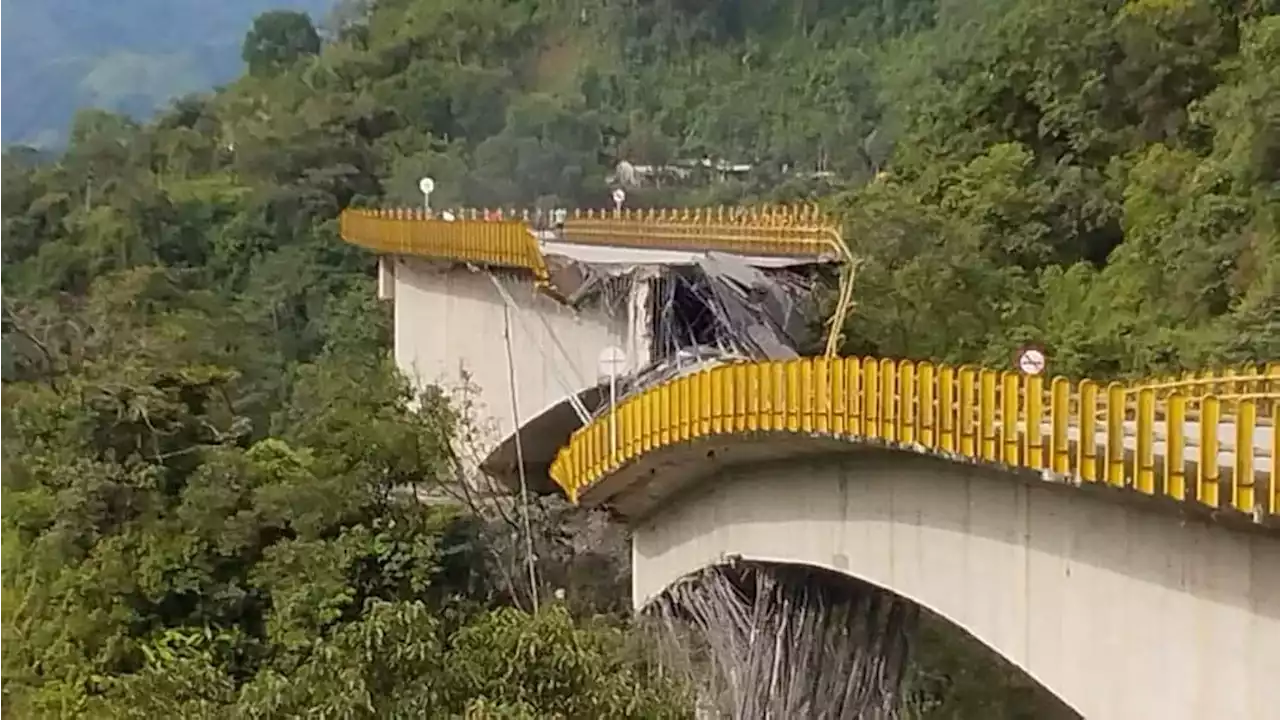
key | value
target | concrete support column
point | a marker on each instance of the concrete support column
(639, 323)
(386, 277)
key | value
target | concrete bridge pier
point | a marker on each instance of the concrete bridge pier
(1121, 609)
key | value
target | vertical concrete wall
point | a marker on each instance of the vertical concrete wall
(1124, 613)
(449, 329)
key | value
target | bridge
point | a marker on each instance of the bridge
(1119, 542)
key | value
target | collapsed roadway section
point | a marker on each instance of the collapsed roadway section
(694, 288)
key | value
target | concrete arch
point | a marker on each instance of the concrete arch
(541, 438)
(857, 586)
(1119, 608)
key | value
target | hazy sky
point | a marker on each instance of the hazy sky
(130, 55)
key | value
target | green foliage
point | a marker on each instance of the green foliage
(1081, 175)
(164, 556)
(278, 39)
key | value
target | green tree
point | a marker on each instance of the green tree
(278, 39)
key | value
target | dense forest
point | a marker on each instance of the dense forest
(210, 464)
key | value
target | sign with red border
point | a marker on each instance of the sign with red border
(1031, 360)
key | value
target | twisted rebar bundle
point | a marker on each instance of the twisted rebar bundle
(774, 642)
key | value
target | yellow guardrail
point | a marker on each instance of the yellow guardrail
(982, 415)
(1242, 381)
(800, 231)
(1250, 382)
(503, 238)
(493, 242)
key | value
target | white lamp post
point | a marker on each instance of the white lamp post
(426, 186)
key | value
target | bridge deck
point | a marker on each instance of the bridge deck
(566, 247)
(769, 237)
(958, 413)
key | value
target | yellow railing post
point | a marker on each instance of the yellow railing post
(1059, 419)
(1274, 506)
(908, 403)
(721, 392)
(871, 398)
(1115, 434)
(1033, 425)
(1242, 488)
(797, 398)
(630, 428)
(1145, 461)
(1087, 429)
(889, 398)
(1010, 388)
(926, 380)
(988, 438)
(840, 397)
(1175, 425)
(1207, 486)
(766, 396)
(690, 404)
(699, 401)
(648, 414)
(822, 402)
(965, 419)
(854, 382)
(946, 408)
(779, 420)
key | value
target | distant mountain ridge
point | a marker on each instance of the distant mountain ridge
(131, 56)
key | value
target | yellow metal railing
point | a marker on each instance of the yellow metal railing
(493, 242)
(799, 231)
(1234, 383)
(503, 239)
(1250, 382)
(1106, 434)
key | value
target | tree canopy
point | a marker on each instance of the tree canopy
(278, 39)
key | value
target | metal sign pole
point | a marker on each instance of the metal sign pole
(612, 360)
(426, 186)
(613, 413)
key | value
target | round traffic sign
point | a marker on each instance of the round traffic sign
(1031, 361)
(426, 186)
(619, 196)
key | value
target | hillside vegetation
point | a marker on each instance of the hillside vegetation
(206, 448)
